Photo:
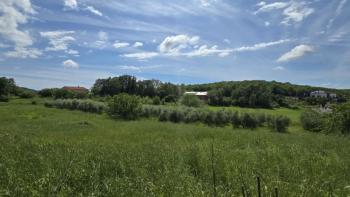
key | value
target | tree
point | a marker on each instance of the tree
(191, 101)
(125, 106)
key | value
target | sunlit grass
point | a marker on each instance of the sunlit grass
(50, 152)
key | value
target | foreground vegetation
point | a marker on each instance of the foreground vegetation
(57, 152)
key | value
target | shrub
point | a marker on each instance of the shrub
(156, 100)
(191, 101)
(192, 116)
(339, 120)
(261, 118)
(62, 94)
(34, 102)
(222, 118)
(311, 120)
(176, 115)
(4, 98)
(235, 120)
(76, 104)
(26, 94)
(46, 92)
(164, 115)
(279, 124)
(125, 106)
(249, 121)
(209, 118)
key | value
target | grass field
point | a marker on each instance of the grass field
(53, 152)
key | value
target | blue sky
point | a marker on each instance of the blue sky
(73, 42)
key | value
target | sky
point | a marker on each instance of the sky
(54, 43)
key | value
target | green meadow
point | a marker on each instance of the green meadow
(57, 152)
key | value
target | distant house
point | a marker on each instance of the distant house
(319, 94)
(333, 95)
(323, 94)
(76, 89)
(201, 95)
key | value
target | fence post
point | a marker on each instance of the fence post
(259, 191)
(213, 168)
(243, 192)
(276, 192)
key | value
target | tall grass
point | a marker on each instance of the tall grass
(51, 152)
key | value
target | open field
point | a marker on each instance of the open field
(53, 152)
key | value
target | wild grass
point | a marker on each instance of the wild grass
(55, 152)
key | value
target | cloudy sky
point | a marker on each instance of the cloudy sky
(51, 43)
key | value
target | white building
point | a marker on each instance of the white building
(319, 93)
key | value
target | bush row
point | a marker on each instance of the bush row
(217, 118)
(76, 104)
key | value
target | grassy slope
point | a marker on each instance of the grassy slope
(59, 152)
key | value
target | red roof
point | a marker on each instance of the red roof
(72, 88)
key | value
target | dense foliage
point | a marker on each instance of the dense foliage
(263, 94)
(339, 120)
(191, 100)
(218, 118)
(59, 93)
(68, 153)
(125, 106)
(130, 85)
(77, 104)
(7, 87)
(311, 120)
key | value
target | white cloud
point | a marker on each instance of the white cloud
(118, 44)
(227, 41)
(23, 52)
(205, 51)
(267, 23)
(295, 53)
(296, 12)
(71, 4)
(58, 40)
(173, 44)
(2, 45)
(260, 46)
(70, 64)
(13, 14)
(272, 6)
(73, 52)
(278, 68)
(137, 44)
(138, 68)
(337, 13)
(93, 10)
(183, 45)
(207, 3)
(141, 55)
(102, 41)
(293, 11)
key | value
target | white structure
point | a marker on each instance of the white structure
(200, 95)
(197, 93)
(319, 93)
(333, 95)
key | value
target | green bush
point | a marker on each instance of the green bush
(222, 118)
(339, 120)
(191, 101)
(249, 121)
(125, 106)
(279, 123)
(235, 120)
(312, 121)
(4, 98)
(176, 115)
(156, 100)
(26, 94)
(77, 104)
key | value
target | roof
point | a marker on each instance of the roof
(197, 93)
(75, 88)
